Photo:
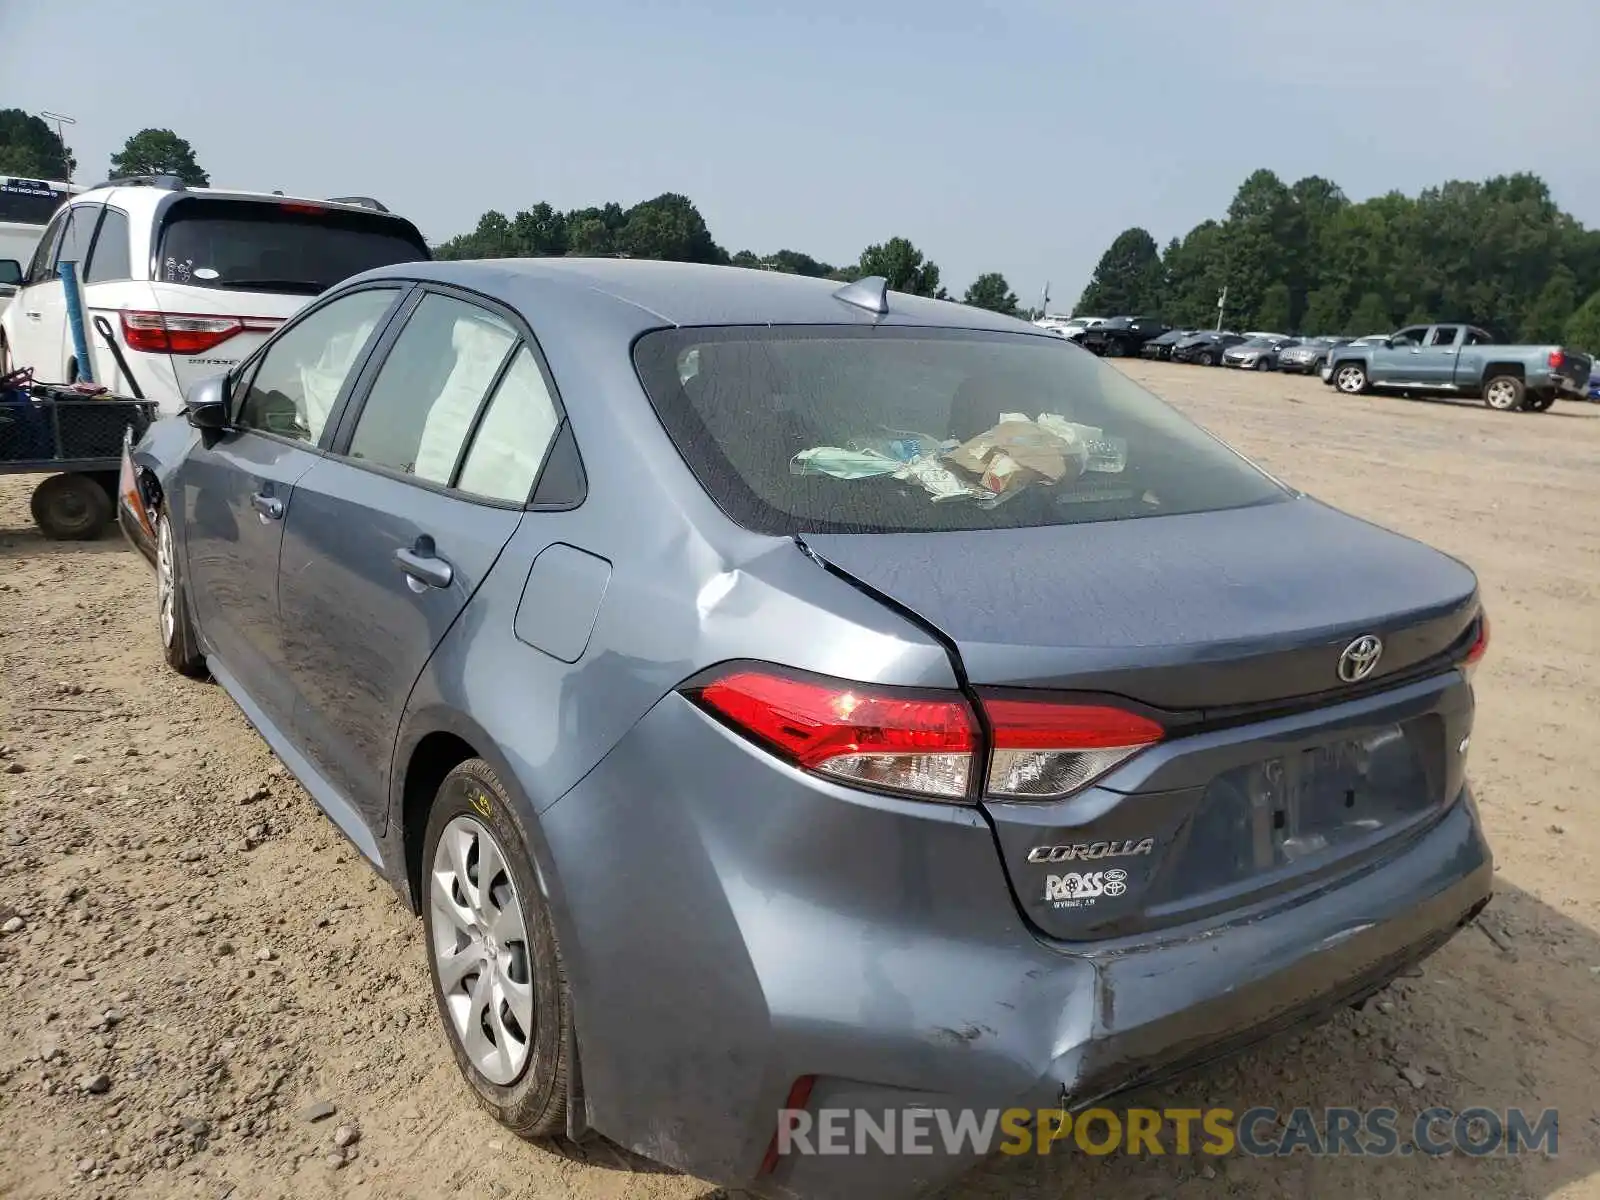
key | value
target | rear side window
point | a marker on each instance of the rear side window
(515, 433)
(303, 249)
(422, 405)
(824, 429)
(109, 257)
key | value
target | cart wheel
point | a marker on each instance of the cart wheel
(71, 508)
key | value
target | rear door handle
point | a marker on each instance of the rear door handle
(270, 507)
(33, 316)
(424, 570)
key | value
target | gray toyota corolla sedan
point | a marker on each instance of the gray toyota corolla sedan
(777, 697)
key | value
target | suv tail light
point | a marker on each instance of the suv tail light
(1043, 750)
(186, 333)
(925, 743)
(1480, 647)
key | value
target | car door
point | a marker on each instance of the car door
(1398, 359)
(237, 488)
(40, 293)
(390, 537)
(1436, 365)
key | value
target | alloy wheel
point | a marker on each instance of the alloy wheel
(1351, 379)
(166, 593)
(1501, 394)
(480, 950)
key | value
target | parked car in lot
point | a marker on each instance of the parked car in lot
(189, 280)
(1160, 347)
(1461, 360)
(1257, 353)
(1205, 348)
(723, 789)
(1068, 326)
(1307, 356)
(1120, 337)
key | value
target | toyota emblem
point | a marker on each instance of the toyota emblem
(1360, 658)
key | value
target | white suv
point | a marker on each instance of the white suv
(189, 280)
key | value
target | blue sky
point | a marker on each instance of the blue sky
(1019, 137)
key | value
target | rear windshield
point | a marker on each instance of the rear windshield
(242, 245)
(837, 430)
(28, 204)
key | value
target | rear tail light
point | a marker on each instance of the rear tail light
(128, 486)
(1480, 647)
(879, 737)
(925, 744)
(1557, 360)
(1044, 750)
(799, 1097)
(186, 333)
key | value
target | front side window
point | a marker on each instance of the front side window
(304, 368)
(823, 429)
(40, 265)
(422, 405)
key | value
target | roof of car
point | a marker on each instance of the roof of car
(134, 195)
(697, 294)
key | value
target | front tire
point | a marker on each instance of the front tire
(1505, 393)
(1206, 359)
(1351, 379)
(496, 968)
(1263, 365)
(179, 645)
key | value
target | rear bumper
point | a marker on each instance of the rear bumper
(731, 925)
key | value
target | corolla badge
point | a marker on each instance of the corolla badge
(1360, 658)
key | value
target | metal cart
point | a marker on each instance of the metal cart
(76, 442)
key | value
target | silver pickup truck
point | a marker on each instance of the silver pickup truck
(1460, 360)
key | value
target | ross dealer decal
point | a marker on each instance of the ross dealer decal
(1078, 891)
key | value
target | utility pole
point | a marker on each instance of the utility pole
(1222, 302)
(61, 120)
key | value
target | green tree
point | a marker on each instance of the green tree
(669, 227)
(1371, 315)
(1193, 277)
(1583, 328)
(1273, 310)
(30, 148)
(991, 291)
(1556, 304)
(902, 264)
(1325, 311)
(1127, 281)
(159, 152)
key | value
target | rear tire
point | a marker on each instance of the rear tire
(1350, 378)
(497, 926)
(179, 645)
(70, 508)
(1538, 404)
(1505, 393)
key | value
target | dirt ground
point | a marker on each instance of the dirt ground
(192, 955)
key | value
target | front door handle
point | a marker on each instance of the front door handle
(33, 316)
(424, 570)
(270, 507)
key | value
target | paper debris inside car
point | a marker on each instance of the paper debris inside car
(1016, 453)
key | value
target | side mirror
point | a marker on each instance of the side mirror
(10, 272)
(206, 405)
